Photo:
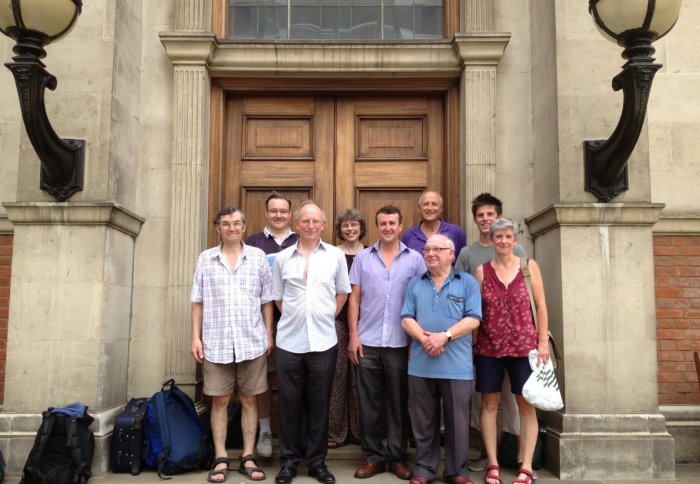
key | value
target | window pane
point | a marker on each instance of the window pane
(336, 19)
(257, 19)
(429, 23)
(305, 22)
(329, 22)
(398, 23)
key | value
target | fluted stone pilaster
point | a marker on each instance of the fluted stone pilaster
(193, 15)
(479, 133)
(480, 53)
(478, 16)
(188, 195)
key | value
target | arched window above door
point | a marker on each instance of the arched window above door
(391, 20)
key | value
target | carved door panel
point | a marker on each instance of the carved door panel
(362, 152)
(388, 150)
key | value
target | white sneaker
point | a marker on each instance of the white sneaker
(479, 465)
(264, 447)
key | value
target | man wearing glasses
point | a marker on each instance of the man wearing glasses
(231, 333)
(275, 237)
(441, 309)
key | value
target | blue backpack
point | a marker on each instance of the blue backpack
(175, 439)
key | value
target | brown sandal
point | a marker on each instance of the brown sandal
(248, 471)
(219, 472)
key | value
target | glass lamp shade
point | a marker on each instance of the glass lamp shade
(617, 19)
(50, 18)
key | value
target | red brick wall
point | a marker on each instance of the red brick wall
(5, 267)
(677, 283)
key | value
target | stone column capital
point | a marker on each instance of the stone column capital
(480, 48)
(189, 48)
(70, 213)
(588, 214)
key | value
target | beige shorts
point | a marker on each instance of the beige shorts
(247, 377)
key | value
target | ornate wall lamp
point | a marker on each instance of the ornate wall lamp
(33, 24)
(634, 25)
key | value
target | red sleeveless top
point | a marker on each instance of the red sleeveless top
(507, 328)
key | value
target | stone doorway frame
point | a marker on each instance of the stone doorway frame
(471, 56)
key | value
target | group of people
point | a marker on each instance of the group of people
(418, 318)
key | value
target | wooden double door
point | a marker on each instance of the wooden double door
(340, 151)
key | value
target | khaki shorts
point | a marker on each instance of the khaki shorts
(248, 377)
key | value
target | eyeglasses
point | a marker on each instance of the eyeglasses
(278, 212)
(227, 225)
(436, 250)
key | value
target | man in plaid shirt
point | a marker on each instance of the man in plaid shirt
(232, 334)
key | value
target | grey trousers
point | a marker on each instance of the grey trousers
(425, 395)
(383, 368)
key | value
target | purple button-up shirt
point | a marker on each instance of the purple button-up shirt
(382, 294)
(415, 239)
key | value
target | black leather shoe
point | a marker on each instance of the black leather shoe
(322, 474)
(286, 474)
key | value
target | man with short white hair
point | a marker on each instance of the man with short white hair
(310, 287)
(441, 309)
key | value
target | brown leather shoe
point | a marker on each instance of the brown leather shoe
(461, 480)
(402, 470)
(419, 480)
(368, 470)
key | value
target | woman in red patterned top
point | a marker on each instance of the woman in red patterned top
(504, 340)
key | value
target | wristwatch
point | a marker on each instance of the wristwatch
(448, 334)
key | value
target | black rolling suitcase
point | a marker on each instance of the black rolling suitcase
(128, 438)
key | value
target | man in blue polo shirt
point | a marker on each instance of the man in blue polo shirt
(441, 309)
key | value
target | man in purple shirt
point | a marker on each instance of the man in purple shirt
(430, 209)
(379, 345)
(275, 237)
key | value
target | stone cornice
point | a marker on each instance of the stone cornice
(335, 59)
(331, 59)
(6, 226)
(587, 214)
(68, 213)
(670, 224)
(189, 48)
(480, 48)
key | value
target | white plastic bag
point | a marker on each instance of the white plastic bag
(541, 389)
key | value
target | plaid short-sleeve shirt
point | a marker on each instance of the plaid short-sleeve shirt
(233, 329)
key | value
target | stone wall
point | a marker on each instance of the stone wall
(5, 269)
(677, 277)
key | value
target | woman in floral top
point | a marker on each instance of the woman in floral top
(504, 340)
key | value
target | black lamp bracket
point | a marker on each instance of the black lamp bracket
(606, 174)
(62, 160)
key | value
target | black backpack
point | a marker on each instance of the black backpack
(63, 448)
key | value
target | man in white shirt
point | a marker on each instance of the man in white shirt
(310, 285)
